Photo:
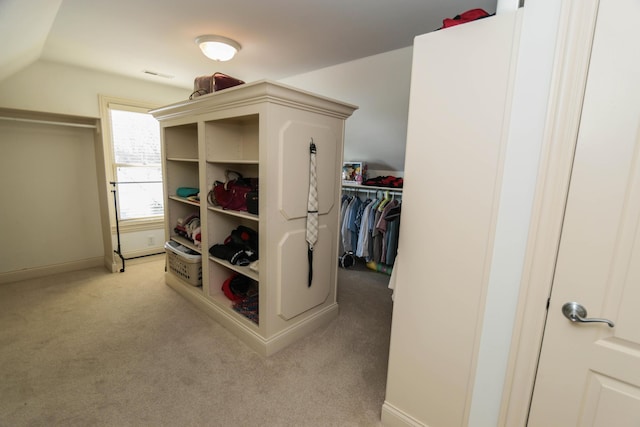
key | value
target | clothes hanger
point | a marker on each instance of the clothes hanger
(384, 201)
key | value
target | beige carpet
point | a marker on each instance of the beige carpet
(90, 348)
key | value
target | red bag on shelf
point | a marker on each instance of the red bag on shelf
(232, 194)
(236, 287)
(208, 84)
(468, 16)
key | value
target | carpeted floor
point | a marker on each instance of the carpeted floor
(90, 348)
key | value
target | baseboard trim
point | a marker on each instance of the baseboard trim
(36, 272)
(394, 417)
(301, 329)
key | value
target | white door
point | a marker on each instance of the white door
(589, 373)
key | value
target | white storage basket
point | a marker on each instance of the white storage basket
(186, 266)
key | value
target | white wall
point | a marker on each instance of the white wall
(50, 210)
(379, 85)
(376, 133)
(66, 168)
(57, 88)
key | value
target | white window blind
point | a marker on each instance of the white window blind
(136, 162)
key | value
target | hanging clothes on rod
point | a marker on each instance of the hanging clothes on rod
(370, 224)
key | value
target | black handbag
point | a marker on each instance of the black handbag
(239, 248)
(252, 202)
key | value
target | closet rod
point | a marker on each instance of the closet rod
(371, 190)
(49, 122)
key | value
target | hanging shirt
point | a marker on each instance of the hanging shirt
(354, 225)
(382, 227)
(362, 249)
(393, 232)
(347, 225)
(343, 208)
(377, 238)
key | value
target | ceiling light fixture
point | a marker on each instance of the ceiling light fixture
(218, 48)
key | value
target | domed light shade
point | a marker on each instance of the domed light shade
(218, 48)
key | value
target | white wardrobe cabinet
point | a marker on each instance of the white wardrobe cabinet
(461, 87)
(261, 130)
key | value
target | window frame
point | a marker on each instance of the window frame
(107, 103)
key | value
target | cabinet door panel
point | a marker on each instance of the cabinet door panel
(294, 174)
(295, 296)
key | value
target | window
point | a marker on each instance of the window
(135, 161)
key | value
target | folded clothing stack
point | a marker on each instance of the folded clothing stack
(189, 228)
(385, 181)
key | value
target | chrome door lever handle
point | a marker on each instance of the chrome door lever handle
(577, 313)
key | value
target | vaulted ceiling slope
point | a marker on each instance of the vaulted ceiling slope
(279, 38)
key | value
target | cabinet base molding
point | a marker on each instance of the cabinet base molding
(394, 417)
(263, 346)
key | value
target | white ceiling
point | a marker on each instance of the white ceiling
(279, 38)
